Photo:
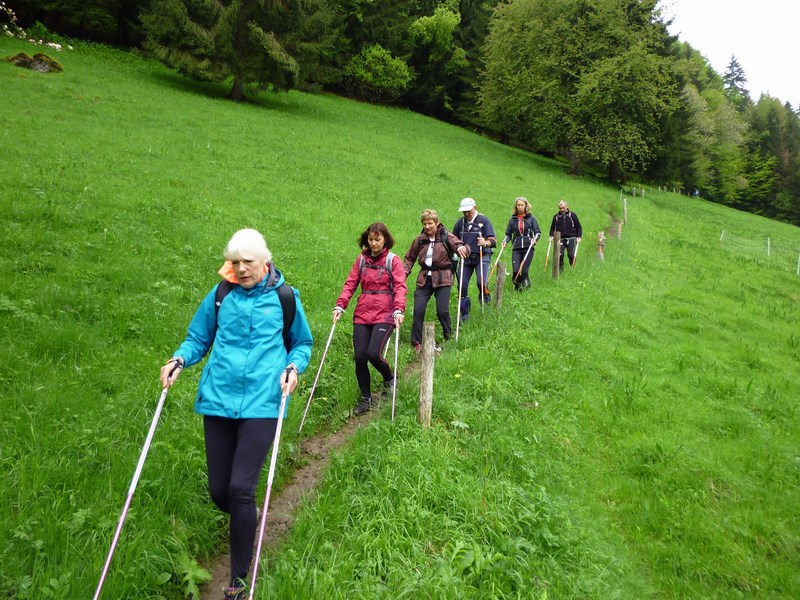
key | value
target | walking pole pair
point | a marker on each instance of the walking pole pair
(316, 379)
(460, 279)
(272, 462)
(137, 473)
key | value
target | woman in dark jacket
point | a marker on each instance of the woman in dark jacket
(523, 231)
(432, 249)
(379, 308)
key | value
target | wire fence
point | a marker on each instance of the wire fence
(770, 250)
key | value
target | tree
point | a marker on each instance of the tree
(241, 40)
(582, 78)
(436, 58)
(734, 80)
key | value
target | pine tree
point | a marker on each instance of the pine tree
(242, 40)
(734, 81)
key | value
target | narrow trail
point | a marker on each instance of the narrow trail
(282, 506)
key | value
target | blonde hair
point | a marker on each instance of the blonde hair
(247, 244)
(428, 214)
(527, 205)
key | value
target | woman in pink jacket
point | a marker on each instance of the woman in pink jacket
(379, 308)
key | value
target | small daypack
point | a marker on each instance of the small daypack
(285, 295)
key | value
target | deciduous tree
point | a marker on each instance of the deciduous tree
(583, 78)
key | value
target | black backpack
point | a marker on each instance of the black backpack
(285, 295)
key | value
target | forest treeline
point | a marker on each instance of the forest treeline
(599, 83)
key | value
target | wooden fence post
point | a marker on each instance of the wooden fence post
(556, 254)
(601, 244)
(499, 282)
(426, 376)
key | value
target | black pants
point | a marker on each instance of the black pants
(569, 245)
(517, 256)
(422, 296)
(368, 343)
(236, 450)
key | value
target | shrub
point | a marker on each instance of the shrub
(376, 76)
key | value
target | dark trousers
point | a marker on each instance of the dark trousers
(368, 344)
(236, 450)
(481, 272)
(517, 255)
(421, 297)
(569, 245)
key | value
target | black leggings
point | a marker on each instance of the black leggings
(517, 255)
(422, 294)
(236, 450)
(368, 343)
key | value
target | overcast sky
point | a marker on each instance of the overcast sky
(763, 35)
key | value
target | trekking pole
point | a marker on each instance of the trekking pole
(522, 264)
(503, 247)
(136, 474)
(480, 274)
(547, 258)
(394, 379)
(273, 460)
(316, 379)
(575, 256)
(460, 279)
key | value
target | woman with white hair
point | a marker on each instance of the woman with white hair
(255, 358)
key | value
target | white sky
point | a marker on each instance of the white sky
(763, 35)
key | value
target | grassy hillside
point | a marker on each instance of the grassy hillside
(629, 430)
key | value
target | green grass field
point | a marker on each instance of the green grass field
(630, 430)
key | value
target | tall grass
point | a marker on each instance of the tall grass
(628, 430)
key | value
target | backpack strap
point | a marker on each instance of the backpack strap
(285, 295)
(289, 308)
(223, 289)
(362, 265)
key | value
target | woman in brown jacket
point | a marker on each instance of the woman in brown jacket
(432, 249)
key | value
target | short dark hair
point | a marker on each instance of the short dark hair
(378, 227)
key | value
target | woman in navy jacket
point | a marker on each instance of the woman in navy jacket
(523, 232)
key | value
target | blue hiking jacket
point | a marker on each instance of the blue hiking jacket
(241, 379)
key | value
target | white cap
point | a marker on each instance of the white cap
(466, 204)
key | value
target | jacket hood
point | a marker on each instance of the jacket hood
(275, 277)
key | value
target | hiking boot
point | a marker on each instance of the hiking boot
(363, 406)
(236, 592)
(417, 347)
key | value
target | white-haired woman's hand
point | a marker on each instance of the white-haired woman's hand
(171, 371)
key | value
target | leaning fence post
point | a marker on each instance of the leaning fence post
(426, 376)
